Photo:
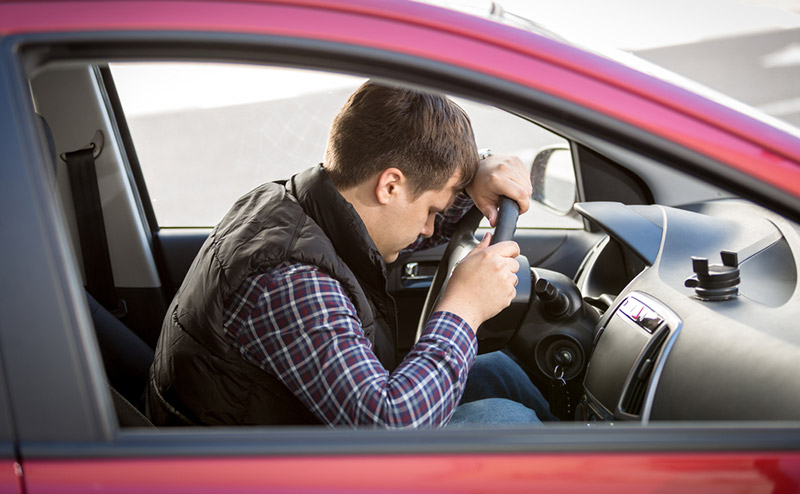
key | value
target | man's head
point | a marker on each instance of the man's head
(390, 150)
(425, 135)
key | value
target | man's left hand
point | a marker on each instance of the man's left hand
(497, 176)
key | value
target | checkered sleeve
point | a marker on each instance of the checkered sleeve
(297, 323)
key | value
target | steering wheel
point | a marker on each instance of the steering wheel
(495, 333)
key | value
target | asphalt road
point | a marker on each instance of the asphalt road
(761, 70)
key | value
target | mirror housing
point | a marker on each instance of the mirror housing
(553, 178)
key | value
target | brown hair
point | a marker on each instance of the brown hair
(425, 135)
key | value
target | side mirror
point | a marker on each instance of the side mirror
(553, 178)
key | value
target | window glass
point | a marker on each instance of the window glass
(207, 133)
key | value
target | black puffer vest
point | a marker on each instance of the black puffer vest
(197, 377)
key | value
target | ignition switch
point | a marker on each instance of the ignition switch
(564, 358)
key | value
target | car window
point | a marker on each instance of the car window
(205, 134)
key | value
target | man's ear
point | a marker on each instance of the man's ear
(391, 182)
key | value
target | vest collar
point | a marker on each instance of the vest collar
(341, 223)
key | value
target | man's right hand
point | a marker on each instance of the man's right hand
(483, 283)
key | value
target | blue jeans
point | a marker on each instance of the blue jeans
(498, 391)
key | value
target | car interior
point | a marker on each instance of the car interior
(650, 294)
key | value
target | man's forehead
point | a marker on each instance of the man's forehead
(447, 194)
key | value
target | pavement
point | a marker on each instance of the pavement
(761, 70)
(745, 49)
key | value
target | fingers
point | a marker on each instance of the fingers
(511, 278)
(508, 248)
(484, 243)
(500, 176)
(505, 253)
(500, 262)
(490, 212)
(506, 265)
(512, 173)
(483, 283)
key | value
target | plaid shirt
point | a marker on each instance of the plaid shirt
(297, 323)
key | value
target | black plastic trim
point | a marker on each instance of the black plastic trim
(54, 380)
(326, 442)
(605, 180)
(7, 423)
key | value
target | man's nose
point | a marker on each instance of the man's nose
(427, 230)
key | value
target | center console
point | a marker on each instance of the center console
(629, 353)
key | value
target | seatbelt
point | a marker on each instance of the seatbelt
(92, 230)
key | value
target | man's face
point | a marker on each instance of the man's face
(409, 217)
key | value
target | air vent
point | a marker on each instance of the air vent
(639, 379)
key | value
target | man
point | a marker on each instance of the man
(284, 317)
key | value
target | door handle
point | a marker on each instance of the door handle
(412, 279)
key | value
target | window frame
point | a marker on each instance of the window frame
(87, 429)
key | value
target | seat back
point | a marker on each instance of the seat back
(126, 357)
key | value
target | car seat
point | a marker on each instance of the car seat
(126, 359)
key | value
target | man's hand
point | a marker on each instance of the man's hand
(498, 176)
(483, 283)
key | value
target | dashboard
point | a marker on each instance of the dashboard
(699, 313)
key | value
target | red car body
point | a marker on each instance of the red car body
(750, 149)
(602, 472)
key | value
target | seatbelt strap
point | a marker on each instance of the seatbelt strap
(92, 230)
